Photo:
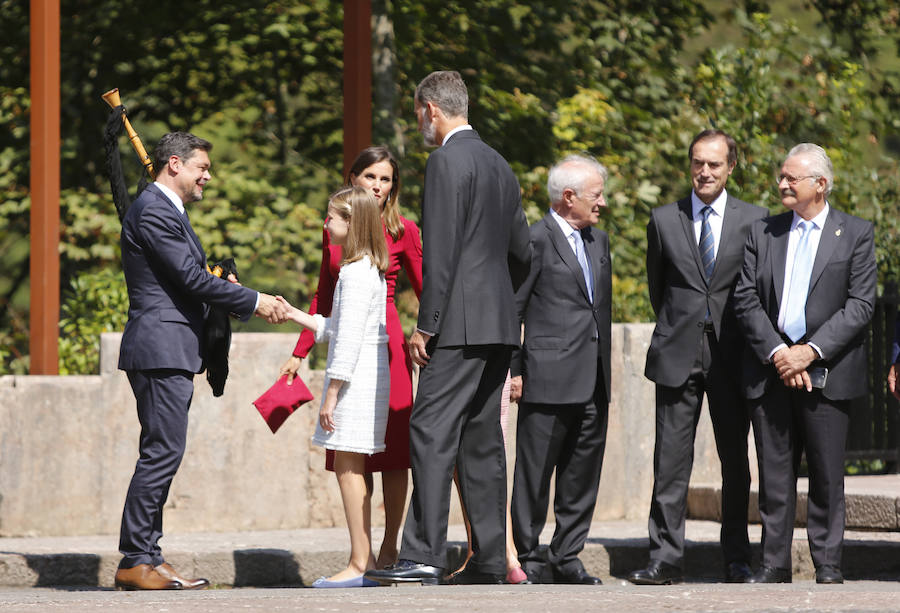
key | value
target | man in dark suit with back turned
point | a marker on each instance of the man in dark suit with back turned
(170, 293)
(805, 296)
(562, 373)
(694, 254)
(476, 251)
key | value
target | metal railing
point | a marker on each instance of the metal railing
(875, 418)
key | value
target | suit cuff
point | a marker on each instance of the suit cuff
(817, 350)
(776, 350)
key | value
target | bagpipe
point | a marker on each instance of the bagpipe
(217, 329)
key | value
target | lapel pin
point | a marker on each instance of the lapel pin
(837, 232)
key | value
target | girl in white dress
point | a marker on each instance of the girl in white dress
(354, 411)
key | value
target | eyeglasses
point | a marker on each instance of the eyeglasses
(591, 196)
(794, 180)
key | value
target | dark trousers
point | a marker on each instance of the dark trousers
(455, 422)
(785, 423)
(163, 399)
(568, 439)
(677, 415)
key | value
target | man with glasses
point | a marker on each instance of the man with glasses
(805, 296)
(694, 253)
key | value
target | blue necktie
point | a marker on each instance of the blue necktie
(707, 243)
(795, 308)
(583, 261)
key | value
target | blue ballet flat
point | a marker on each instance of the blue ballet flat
(360, 581)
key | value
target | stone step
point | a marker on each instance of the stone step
(872, 502)
(298, 557)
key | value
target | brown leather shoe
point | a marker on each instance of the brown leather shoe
(143, 577)
(166, 570)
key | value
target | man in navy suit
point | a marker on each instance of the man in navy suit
(170, 294)
(562, 373)
(476, 252)
(694, 252)
(804, 298)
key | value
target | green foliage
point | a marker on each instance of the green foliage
(95, 302)
(865, 467)
(784, 87)
(262, 81)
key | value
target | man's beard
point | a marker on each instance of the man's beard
(428, 130)
(194, 195)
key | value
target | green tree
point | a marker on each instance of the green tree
(629, 82)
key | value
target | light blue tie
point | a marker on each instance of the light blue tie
(707, 244)
(585, 266)
(795, 309)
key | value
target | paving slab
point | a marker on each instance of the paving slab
(298, 557)
(619, 597)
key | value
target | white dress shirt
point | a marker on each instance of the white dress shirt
(454, 131)
(716, 218)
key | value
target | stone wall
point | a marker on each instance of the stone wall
(68, 447)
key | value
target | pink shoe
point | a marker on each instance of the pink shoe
(516, 576)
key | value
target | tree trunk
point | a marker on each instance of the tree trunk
(385, 128)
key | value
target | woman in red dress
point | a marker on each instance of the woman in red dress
(377, 170)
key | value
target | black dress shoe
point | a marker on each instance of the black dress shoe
(579, 577)
(536, 573)
(737, 572)
(767, 574)
(407, 571)
(657, 573)
(829, 574)
(469, 576)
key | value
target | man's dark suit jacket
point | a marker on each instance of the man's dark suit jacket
(169, 288)
(680, 294)
(839, 305)
(473, 257)
(565, 334)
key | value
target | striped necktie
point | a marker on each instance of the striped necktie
(707, 244)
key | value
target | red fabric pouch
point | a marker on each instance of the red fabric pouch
(280, 400)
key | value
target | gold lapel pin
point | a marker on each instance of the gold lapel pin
(837, 232)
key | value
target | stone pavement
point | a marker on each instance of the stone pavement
(617, 597)
(298, 557)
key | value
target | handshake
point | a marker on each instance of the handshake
(274, 309)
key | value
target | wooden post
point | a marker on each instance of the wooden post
(45, 148)
(357, 78)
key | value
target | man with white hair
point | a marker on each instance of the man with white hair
(805, 296)
(562, 374)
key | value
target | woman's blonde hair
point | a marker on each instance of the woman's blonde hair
(365, 236)
(391, 212)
